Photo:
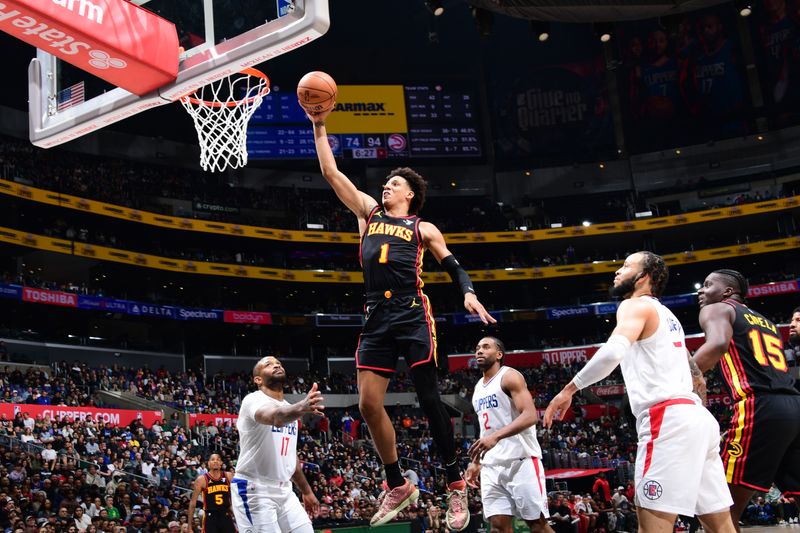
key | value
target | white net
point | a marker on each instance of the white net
(220, 112)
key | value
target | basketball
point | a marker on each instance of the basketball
(316, 92)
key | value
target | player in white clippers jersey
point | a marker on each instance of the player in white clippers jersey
(678, 468)
(507, 458)
(263, 500)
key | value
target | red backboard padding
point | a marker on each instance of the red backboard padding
(114, 40)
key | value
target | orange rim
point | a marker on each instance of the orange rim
(250, 72)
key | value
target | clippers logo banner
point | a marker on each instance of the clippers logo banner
(115, 40)
(369, 109)
(116, 417)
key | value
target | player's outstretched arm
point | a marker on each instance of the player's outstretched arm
(513, 384)
(281, 415)
(434, 241)
(632, 316)
(356, 201)
(310, 501)
(717, 323)
(199, 486)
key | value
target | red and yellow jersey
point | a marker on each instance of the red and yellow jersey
(217, 495)
(391, 252)
(755, 363)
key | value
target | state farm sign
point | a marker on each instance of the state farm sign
(115, 40)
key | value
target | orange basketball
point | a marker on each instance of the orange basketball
(316, 92)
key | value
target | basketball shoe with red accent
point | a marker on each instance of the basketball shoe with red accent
(393, 501)
(457, 516)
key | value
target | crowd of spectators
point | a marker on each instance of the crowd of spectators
(138, 185)
(59, 474)
(81, 475)
(75, 384)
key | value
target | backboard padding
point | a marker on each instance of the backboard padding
(303, 22)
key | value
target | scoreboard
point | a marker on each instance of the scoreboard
(373, 122)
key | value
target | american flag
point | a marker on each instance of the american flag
(70, 96)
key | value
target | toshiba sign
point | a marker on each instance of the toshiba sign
(113, 39)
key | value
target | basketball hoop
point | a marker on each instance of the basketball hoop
(220, 111)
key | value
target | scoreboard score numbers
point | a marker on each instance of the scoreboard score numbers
(373, 122)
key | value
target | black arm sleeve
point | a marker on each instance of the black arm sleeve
(458, 274)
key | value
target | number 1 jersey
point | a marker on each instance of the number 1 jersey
(391, 252)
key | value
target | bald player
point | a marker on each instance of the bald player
(263, 500)
(215, 486)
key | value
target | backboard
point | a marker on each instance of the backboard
(220, 38)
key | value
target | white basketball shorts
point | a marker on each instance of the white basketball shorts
(266, 507)
(678, 466)
(514, 488)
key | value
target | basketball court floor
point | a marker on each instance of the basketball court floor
(772, 529)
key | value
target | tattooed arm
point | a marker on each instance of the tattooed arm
(698, 381)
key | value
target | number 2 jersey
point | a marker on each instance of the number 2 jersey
(391, 252)
(266, 453)
(495, 410)
(754, 362)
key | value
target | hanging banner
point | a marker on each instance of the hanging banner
(775, 30)
(682, 84)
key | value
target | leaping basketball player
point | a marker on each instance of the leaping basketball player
(399, 320)
(506, 458)
(762, 445)
(678, 468)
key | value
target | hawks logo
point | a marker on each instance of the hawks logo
(652, 490)
(734, 449)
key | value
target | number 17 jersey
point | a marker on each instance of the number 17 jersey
(266, 453)
(391, 252)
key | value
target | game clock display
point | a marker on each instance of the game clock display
(440, 121)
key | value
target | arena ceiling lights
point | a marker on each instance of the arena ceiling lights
(590, 10)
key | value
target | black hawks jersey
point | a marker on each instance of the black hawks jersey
(391, 252)
(217, 495)
(755, 362)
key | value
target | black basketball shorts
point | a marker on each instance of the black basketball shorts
(397, 323)
(218, 522)
(762, 445)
